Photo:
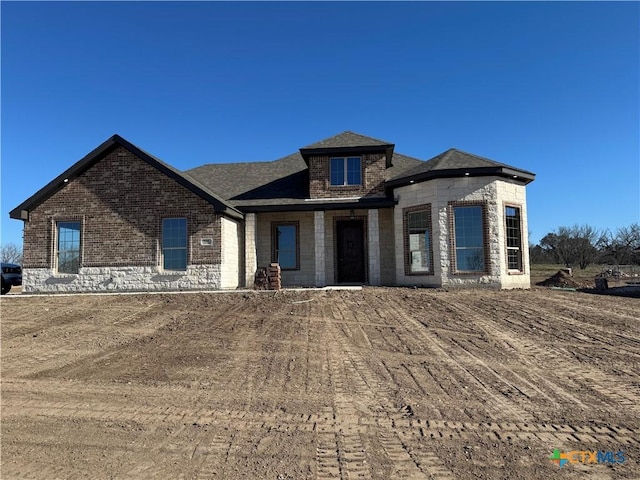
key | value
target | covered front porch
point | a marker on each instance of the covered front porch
(322, 247)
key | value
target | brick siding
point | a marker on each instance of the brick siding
(373, 171)
(120, 202)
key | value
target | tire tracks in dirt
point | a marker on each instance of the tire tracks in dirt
(576, 374)
(353, 379)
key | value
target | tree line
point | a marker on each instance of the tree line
(583, 245)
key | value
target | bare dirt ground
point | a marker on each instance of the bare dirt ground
(373, 384)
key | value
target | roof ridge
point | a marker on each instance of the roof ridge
(347, 138)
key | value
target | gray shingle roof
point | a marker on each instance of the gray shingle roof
(284, 181)
(286, 178)
(347, 139)
(456, 160)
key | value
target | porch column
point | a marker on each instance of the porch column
(250, 254)
(373, 241)
(318, 222)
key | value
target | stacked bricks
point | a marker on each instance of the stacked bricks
(275, 277)
(268, 278)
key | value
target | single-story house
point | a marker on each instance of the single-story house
(345, 210)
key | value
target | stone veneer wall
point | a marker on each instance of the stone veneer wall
(495, 193)
(249, 247)
(231, 242)
(106, 279)
(511, 193)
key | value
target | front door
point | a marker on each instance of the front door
(350, 239)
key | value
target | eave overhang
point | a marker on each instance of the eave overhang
(319, 206)
(514, 174)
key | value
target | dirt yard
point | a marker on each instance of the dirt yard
(372, 384)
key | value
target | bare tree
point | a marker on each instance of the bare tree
(572, 246)
(11, 253)
(621, 247)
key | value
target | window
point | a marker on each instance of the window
(469, 238)
(68, 247)
(174, 243)
(418, 254)
(285, 245)
(346, 171)
(514, 238)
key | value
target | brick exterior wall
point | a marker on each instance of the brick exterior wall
(373, 171)
(120, 202)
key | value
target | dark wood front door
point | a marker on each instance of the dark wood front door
(350, 238)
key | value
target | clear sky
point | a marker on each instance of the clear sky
(549, 87)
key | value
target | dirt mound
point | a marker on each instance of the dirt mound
(561, 279)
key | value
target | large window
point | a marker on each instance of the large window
(68, 247)
(469, 238)
(174, 244)
(346, 171)
(418, 252)
(285, 244)
(514, 238)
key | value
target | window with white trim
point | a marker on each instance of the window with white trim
(345, 171)
(174, 244)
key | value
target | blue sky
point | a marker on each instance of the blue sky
(549, 87)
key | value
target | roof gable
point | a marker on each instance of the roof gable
(100, 152)
(347, 139)
(348, 143)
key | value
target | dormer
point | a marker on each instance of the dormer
(347, 165)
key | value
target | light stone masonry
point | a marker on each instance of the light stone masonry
(373, 232)
(496, 193)
(318, 222)
(250, 255)
(105, 279)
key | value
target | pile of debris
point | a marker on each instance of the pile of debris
(562, 279)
